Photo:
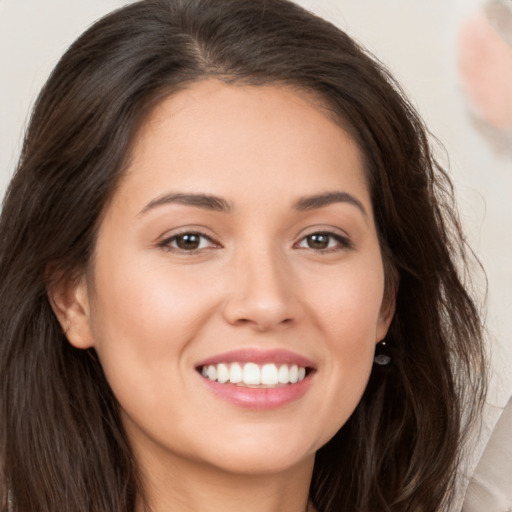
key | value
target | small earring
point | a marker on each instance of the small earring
(382, 354)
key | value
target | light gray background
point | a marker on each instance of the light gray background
(416, 39)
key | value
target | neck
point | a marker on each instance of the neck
(186, 486)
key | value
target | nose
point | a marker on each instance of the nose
(262, 292)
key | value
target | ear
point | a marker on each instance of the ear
(69, 300)
(387, 310)
(386, 314)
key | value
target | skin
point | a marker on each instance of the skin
(152, 310)
(485, 65)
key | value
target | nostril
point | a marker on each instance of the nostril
(242, 321)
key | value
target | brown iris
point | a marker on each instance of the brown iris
(318, 241)
(188, 242)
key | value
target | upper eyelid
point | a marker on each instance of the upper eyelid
(327, 230)
(167, 239)
(336, 233)
(187, 230)
(341, 237)
(330, 234)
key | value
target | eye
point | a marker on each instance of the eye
(323, 241)
(188, 242)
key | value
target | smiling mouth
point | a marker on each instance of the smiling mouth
(255, 375)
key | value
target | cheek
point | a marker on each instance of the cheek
(347, 304)
(347, 313)
(143, 319)
(134, 298)
(144, 322)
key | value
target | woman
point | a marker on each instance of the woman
(229, 272)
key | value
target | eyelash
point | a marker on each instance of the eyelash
(341, 242)
(166, 244)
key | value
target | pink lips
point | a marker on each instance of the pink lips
(259, 398)
(258, 357)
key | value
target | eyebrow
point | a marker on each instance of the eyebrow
(218, 204)
(328, 198)
(208, 202)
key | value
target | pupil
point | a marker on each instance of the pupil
(318, 241)
(188, 242)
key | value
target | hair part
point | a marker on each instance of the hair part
(61, 439)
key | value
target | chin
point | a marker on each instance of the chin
(263, 462)
(263, 454)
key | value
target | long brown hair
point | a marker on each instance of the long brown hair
(61, 440)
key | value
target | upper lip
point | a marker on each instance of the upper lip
(258, 356)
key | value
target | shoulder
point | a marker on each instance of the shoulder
(490, 487)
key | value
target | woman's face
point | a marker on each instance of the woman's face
(235, 294)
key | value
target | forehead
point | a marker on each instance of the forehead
(224, 139)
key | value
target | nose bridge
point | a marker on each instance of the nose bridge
(261, 288)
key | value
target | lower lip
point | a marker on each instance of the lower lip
(259, 398)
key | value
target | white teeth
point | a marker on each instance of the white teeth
(284, 374)
(212, 372)
(252, 374)
(222, 373)
(269, 374)
(235, 373)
